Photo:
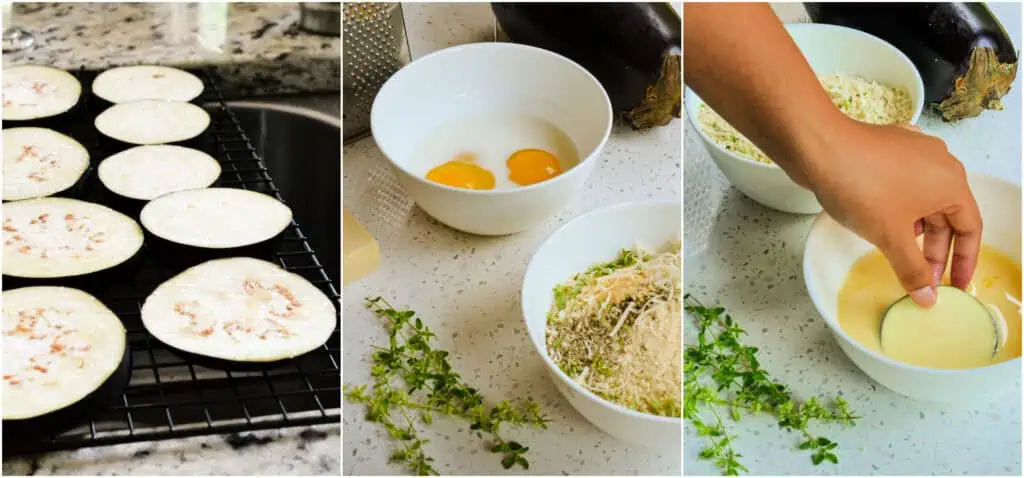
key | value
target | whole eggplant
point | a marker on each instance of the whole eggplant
(965, 57)
(633, 49)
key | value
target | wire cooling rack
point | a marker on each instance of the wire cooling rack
(169, 396)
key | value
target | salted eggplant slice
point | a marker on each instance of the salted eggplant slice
(146, 82)
(143, 173)
(200, 224)
(40, 162)
(240, 311)
(65, 354)
(67, 241)
(152, 122)
(32, 92)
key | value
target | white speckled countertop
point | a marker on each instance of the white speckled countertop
(467, 289)
(735, 247)
(257, 49)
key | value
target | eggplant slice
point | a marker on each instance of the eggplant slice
(239, 312)
(57, 241)
(153, 122)
(200, 224)
(967, 60)
(633, 49)
(40, 162)
(959, 331)
(146, 82)
(34, 92)
(144, 173)
(65, 357)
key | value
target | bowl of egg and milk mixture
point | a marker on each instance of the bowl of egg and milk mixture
(491, 138)
(966, 347)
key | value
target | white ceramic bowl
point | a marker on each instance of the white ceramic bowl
(464, 80)
(828, 49)
(587, 240)
(830, 253)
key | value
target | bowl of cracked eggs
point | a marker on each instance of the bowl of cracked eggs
(491, 138)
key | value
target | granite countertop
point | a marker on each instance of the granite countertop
(309, 451)
(727, 236)
(467, 289)
(257, 48)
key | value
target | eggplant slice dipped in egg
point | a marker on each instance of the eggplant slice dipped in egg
(188, 227)
(58, 241)
(40, 162)
(35, 93)
(239, 313)
(65, 357)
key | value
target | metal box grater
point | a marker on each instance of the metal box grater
(375, 47)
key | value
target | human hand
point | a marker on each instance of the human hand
(890, 184)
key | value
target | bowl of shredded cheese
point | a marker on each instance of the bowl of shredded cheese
(602, 303)
(867, 79)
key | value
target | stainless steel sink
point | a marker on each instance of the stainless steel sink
(299, 138)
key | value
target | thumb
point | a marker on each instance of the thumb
(911, 267)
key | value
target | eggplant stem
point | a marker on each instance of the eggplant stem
(663, 100)
(987, 80)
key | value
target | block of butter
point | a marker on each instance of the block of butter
(362, 254)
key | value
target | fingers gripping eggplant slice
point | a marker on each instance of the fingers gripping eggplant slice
(65, 356)
(633, 49)
(965, 57)
(240, 311)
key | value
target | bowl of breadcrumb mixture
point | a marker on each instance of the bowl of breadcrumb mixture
(867, 79)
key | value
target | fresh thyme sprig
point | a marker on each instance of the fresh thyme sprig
(722, 374)
(412, 379)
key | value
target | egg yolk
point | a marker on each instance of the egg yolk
(461, 173)
(531, 166)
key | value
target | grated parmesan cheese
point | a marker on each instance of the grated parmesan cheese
(615, 329)
(859, 98)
